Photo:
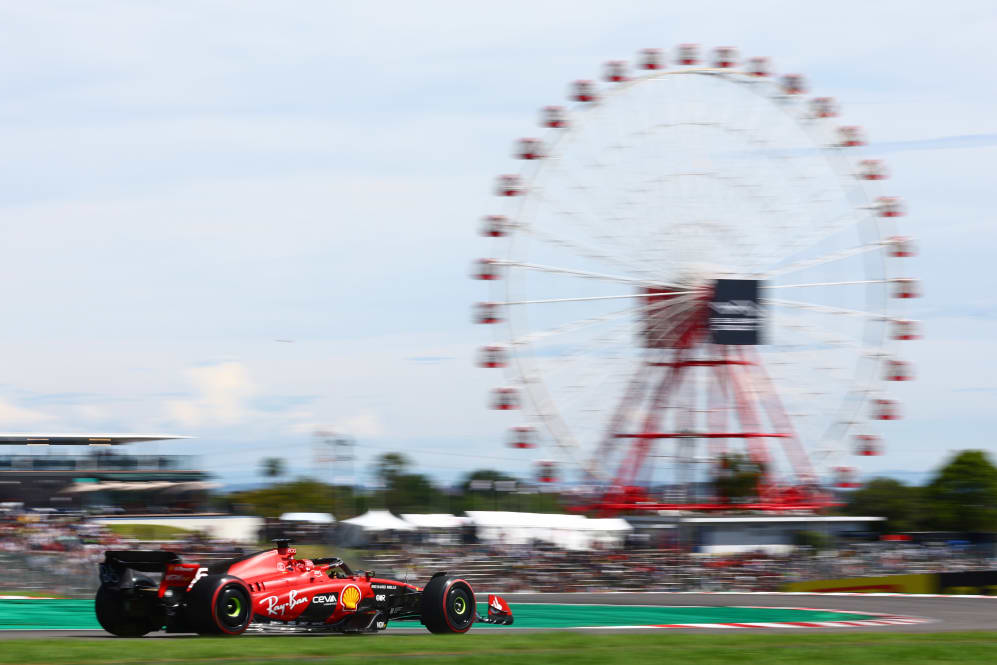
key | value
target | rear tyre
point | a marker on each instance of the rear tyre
(121, 614)
(448, 605)
(219, 605)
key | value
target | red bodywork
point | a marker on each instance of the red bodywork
(283, 588)
(272, 590)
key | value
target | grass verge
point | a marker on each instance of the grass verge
(854, 648)
(30, 593)
(149, 531)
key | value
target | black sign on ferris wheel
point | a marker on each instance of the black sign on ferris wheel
(736, 316)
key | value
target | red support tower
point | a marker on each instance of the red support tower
(743, 405)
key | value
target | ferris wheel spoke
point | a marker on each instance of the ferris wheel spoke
(592, 221)
(580, 249)
(857, 214)
(596, 218)
(825, 337)
(584, 273)
(819, 364)
(843, 283)
(574, 326)
(579, 354)
(587, 298)
(774, 163)
(597, 384)
(801, 390)
(734, 180)
(679, 304)
(824, 309)
(627, 143)
(827, 258)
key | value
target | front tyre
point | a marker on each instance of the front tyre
(219, 605)
(448, 605)
(116, 613)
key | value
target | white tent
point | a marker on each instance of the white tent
(573, 532)
(313, 518)
(608, 524)
(379, 520)
(435, 520)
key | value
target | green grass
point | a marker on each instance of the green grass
(854, 648)
(150, 531)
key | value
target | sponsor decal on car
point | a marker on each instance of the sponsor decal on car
(180, 574)
(274, 607)
(350, 596)
(324, 599)
(201, 572)
(387, 587)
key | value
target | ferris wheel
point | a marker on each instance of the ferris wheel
(696, 260)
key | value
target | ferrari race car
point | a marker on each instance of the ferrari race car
(271, 591)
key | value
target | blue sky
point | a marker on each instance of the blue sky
(181, 184)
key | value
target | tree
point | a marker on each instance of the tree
(737, 478)
(963, 494)
(301, 495)
(272, 467)
(391, 465)
(901, 505)
(405, 491)
(814, 539)
(499, 498)
(411, 492)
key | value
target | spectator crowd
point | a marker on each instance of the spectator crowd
(53, 553)
(548, 569)
(58, 553)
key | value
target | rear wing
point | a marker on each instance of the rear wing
(120, 567)
(146, 561)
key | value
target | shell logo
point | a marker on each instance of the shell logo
(350, 597)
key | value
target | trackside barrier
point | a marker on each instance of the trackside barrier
(964, 583)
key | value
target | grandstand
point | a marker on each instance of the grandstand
(96, 477)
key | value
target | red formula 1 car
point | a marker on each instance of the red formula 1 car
(271, 591)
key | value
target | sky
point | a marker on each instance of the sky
(183, 184)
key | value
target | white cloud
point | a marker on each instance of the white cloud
(361, 425)
(222, 395)
(90, 412)
(13, 415)
(364, 424)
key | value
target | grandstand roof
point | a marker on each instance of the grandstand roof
(97, 439)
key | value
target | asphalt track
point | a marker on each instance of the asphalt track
(945, 614)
